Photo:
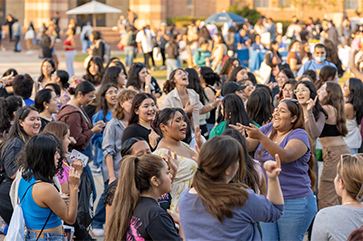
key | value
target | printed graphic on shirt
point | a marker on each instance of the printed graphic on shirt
(132, 233)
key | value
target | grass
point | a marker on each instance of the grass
(161, 74)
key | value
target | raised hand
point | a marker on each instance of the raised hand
(311, 103)
(239, 127)
(74, 178)
(172, 162)
(253, 131)
(189, 109)
(273, 168)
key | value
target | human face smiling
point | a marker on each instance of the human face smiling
(121, 79)
(66, 141)
(346, 91)
(281, 79)
(53, 104)
(87, 98)
(147, 110)
(302, 93)
(176, 127)
(282, 119)
(288, 91)
(249, 89)
(242, 74)
(31, 123)
(140, 148)
(111, 96)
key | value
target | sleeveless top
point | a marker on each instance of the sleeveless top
(330, 130)
(184, 176)
(68, 42)
(34, 215)
(353, 139)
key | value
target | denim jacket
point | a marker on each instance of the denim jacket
(111, 145)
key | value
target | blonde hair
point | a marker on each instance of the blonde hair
(125, 95)
(350, 171)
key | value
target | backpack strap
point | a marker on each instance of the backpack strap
(26, 191)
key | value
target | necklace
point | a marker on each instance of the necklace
(44, 117)
(350, 203)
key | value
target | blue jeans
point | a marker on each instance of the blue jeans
(85, 45)
(100, 215)
(32, 236)
(130, 54)
(293, 224)
(69, 61)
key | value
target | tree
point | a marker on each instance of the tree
(251, 14)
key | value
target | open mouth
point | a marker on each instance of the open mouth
(183, 130)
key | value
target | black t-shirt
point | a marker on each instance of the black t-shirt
(151, 222)
(136, 130)
(44, 123)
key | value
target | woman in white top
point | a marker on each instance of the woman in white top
(338, 222)
(353, 92)
(178, 96)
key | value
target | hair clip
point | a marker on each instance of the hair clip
(136, 160)
(360, 199)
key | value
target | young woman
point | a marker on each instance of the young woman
(195, 84)
(94, 71)
(46, 102)
(250, 87)
(345, 218)
(227, 68)
(234, 112)
(61, 77)
(143, 112)
(293, 57)
(237, 74)
(170, 124)
(314, 113)
(8, 108)
(141, 81)
(327, 73)
(179, 96)
(26, 124)
(107, 100)
(353, 92)
(97, 48)
(46, 70)
(227, 210)
(42, 205)
(287, 137)
(287, 90)
(331, 139)
(259, 107)
(114, 75)
(281, 78)
(209, 79)
(70, 48)
(273, 58)
(135, 210)
(219, 50)
(111, 144)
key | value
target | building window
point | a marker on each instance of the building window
(351, 4)
(284, 3)
(261, 3)
(2, 12)
(189, 3)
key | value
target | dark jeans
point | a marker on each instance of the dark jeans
(100, 214)
(162, 52)
(147, 56)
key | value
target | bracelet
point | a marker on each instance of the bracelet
(211, 105)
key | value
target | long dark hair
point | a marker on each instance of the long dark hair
(64, 77)
(209, 76)
(164, 116)
(7, 108)
(102, 102)
(96, 79)
(292, 82)
(194, 83)
(41, 77)
(169, 84)
(42, 96)
(228, 65)
(233, 75)
(251, 177)
(234, 110)
(133, 79)
(218, 197)
(136, 103)
(313, 93)
(355, 97)
(259, 106)
(296, 110)
(134, 179)
(111, 75)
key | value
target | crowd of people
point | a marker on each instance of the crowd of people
(219, 157)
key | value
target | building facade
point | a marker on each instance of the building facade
(154, 12)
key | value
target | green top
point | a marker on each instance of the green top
(221, 127)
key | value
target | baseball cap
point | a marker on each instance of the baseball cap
(231, 87)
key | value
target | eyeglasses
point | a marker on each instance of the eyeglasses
(287, 91)
(300, 90)
(182, 72)
(112, 92)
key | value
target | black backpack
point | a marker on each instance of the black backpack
(85, 202)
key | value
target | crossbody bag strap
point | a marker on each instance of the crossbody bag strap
(41, 231)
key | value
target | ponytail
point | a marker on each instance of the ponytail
(134, 179)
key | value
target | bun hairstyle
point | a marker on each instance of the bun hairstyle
(63, 77)
(84, 87)
(209, 76)
(42, 96)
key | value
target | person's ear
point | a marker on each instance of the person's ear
(45, 104)
(163, 127)
(293, 119)
(154, 181)
(21, 123)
